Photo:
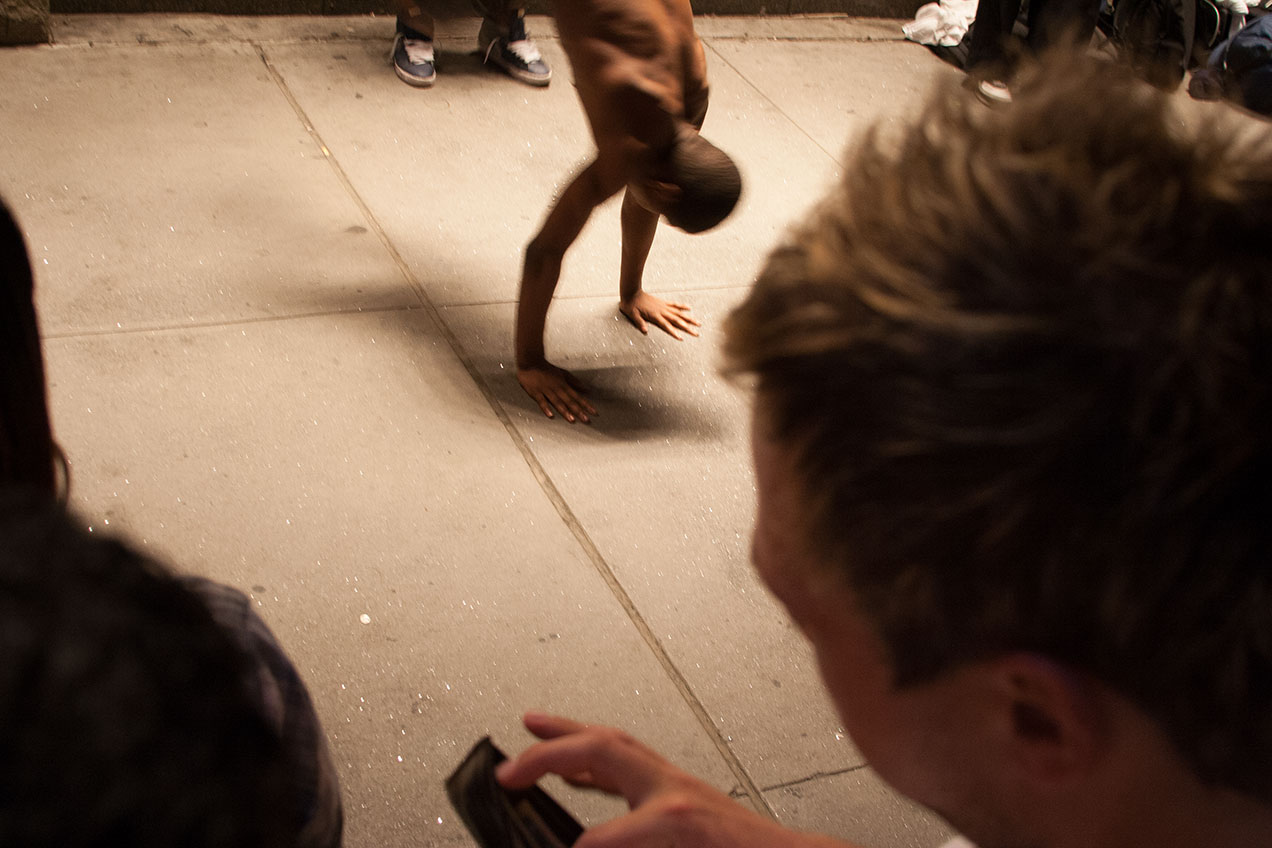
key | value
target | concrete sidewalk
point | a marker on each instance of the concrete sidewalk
(277, 289)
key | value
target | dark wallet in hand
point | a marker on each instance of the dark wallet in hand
(506, 818)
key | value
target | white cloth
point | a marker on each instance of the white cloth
(943, 23)
(1242, 7)
(1237, 7)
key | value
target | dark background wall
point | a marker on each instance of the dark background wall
(24, 21)
(865, 8)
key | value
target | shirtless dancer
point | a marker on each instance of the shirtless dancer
(641, 76)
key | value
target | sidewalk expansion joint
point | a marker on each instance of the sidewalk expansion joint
(213, 324)
(582, 296)
(774, 104)
(736, 792)
(549, 488)
(820, 775)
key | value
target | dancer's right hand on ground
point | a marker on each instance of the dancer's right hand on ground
(555, 388)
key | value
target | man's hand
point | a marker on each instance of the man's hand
(553, 387)
(669, 808)
(644, 307)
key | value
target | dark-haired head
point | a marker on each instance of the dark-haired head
(124, 714)
(27, 451)
(709, 184)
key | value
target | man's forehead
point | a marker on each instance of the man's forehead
(782, 505)
(775, 460)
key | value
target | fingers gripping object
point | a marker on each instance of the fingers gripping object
(506, 818)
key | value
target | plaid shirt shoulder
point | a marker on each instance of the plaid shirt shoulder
(286, 704)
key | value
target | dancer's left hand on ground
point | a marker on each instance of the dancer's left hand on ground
(674, 318)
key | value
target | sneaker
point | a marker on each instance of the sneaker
(412, 58)
(514, 52)
(993, 92)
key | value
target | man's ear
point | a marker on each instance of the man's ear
(1056, 724)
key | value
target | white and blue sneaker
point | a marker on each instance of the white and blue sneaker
(513, 51)
(412, 58)
(993, 92)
